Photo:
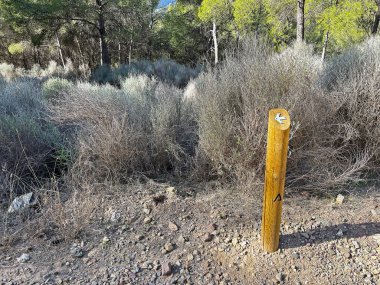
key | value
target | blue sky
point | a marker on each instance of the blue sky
(164, 3)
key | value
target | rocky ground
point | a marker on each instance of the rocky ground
(168, 235)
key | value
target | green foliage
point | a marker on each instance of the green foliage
(250, 16)
(180, 34)
(54, 87)
(38, 31)
(16, 48)
(347, 22)
(217, 11)
(281, 17)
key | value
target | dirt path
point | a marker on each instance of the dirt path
(165, 236)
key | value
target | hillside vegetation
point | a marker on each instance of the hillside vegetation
(53, 128)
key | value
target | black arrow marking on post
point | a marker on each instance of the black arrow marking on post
(278, 198)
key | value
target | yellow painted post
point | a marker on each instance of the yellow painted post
(275, 169)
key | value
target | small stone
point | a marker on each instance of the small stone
(223, 215)
(244, 244)
(339, 233)
(181, 240)
(305, 235)
(114, 216)
(373, 212)
(211, 227)
(339, 199)
(280, 277)
(171, 192)
(76, 251)
(21, 202)
(156, 264)
(355, 244)
(23, 258)
(377, 238)
(227, 240)
(207, 237)
(190, 257)
(105, 240)
(168, 247)
(140, 237)
(205, 265)
(173, 227)
(296, 255)
(235, 241)
(147, 211)
(147, 220)
(166, 268)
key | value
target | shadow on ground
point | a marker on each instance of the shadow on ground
(330, 233)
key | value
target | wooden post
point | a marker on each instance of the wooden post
(275, 169)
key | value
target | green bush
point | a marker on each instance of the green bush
(54, 87)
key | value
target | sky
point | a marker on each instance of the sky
(164, 3)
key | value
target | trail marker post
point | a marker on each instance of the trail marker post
(275, 169)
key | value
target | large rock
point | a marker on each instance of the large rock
(23, 202)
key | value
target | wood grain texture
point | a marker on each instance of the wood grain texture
(275, 170)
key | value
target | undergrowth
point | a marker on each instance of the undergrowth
(146, 124)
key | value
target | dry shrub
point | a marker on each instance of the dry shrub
(59, 215)
(66, 215)
(234, 101)
(140, 128)
(334, 137)
(351, 85)
(29, 142)
(53, 87)
(7, 71)
(166, 71)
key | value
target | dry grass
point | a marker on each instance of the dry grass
(142, 128)
(334, 109)
(218, 130)
(29, 142)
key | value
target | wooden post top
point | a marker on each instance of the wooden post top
(279, 118)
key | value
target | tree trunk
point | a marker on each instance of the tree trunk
(237, 40)
(119, 50)
(80, 51)
(34, 55)
(130, 51)
(325, 46)
(300, 20)
(24, 61)
(214, 36)
(60, 50)
(150, 35)
(377, 20)
(105, 58)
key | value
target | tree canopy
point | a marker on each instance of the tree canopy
(114, 32)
